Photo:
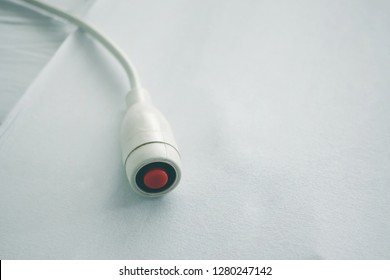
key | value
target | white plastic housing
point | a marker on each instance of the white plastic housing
(147, 138)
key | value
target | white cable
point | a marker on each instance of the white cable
(110, 46)
(149, 150)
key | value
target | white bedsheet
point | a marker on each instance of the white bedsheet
(281, 111)
(27, 42)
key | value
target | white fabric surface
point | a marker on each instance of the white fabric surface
(28, 41)
(280, 109)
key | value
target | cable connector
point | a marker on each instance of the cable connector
(149, 151)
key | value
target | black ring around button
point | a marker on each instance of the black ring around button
(139, 178)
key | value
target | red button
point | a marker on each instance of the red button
(155, 178)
